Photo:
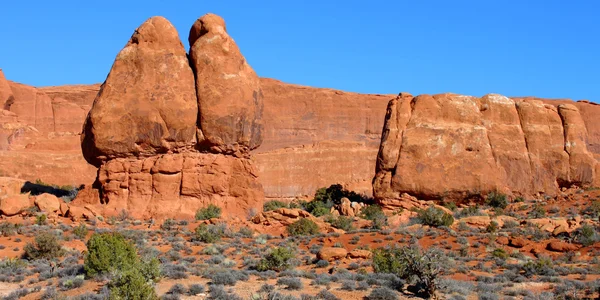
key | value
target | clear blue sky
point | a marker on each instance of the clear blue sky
(546, 48)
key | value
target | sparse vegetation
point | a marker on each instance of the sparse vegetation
(45, 246)
(303, 226)
(277, 260)
(274, 204)
(434, 217)
(210, 212)
(497, 200)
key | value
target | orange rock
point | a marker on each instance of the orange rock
(47, 203)
(561, 246)
(332, 253)
(14, 204)
(157, 112)
(359, 253)
(502, 240)
(228, 90)
(6, 94)
(64, 209)
(518, 242)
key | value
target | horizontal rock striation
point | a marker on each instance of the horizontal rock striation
(450, 146)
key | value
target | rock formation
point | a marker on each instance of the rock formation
(147, 130)
(228, 90)
(450, 146)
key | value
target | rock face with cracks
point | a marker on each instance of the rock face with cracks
(455, 147)
(162, 149)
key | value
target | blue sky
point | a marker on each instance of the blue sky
(545, 48)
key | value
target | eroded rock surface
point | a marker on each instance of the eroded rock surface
(452, 146)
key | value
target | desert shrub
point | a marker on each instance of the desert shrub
(168, 224)
(410, 262)
(226, 277)
(341, 222)
(177, 289)
(80, 231)
(322, 263)
(317, 208)
(382, 293)
(217, 292)
(174, 271)
(8, 229)
(71, 282)
(107, 252)
(209, 212)
(291, 283)
(276, 260)
(131, 284)
(541, 266)
(325, 198)
(497, 200)
(500, 253)
(45, 246)
(537, 212)
(492, 227)
(303, 226)
(434, 217)
(209, 233)
(469, 211)
(586, 235)
(50, 293)
(195, 289)
(375, 214)
(593, 209)
(274, 204)
(41, 219)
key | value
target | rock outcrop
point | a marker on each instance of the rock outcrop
(450, 146)
(6, 94)
(147, 129)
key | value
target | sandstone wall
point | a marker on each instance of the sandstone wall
(450, 146)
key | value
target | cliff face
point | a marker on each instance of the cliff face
(451, 146)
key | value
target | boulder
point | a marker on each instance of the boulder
(228, 90)
(147, 104)
(47, 203)
(518, 242)
(345, 208)
(559, 246)
(14, 204)
(332, 253)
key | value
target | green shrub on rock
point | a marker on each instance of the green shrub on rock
(303, 226)
(434, 217)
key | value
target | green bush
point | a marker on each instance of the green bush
(8, 229)
(434, 217)
(131, 284)
(586, 235)
(303, 226)
(500, 253)
(497, 200)
(341, 222)
(41, 219)
(277, 260)
(410, 262)
(537, 212)
(209, 233)
(593, 209)
(318, 208)
(45, 246)
(325, 198)
(375, 214)
(109, 252)
(80, 231)
(541, 266)
(209, 212)
(274, 204)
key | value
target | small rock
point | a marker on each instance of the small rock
(561, 246)
(358, 253)
(331, 253)
(517, 242)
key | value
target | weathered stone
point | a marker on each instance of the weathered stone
(228, 90)
(147, 105)
(332, 253)
(47, 202)
(14, 204)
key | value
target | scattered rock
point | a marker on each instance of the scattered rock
(47, 203)
(14, 204)
(359, 253)
(332, 253)
(561, 246)
(518, 242)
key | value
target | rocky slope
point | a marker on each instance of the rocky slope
(450, 146)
